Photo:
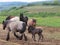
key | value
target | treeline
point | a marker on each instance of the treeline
(45, 3)
(53, 3)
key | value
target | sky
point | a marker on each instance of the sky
(20, 0)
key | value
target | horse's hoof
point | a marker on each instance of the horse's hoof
(34, 40)
(7, 39)
(42, 40)
(26, 39)
(20, 38)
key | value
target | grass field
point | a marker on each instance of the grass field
(45, 15)
(46, 21)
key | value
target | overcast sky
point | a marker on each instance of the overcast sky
(20, 0)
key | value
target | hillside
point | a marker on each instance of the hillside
(7, 5)
(40, 3)
(34, 10)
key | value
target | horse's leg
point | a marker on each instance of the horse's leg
(33, 35)
(7, 38)
(42, 37)
(39, 36)
(21, 37)
(25, 37)
(16, 35)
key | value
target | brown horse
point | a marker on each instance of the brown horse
(31, 22)
(9, 17)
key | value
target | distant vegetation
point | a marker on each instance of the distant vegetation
(33, 11)
(56, 2)
(53, 3)
(8, 5)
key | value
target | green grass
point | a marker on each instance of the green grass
(2, 18)
(34, 10)
(41, 21)
(42, 14)
(48, 21)
(45, 15)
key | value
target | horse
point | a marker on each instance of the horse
(15, 26)
(34, 31)
(31, 22)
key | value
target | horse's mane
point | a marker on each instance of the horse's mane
(9, 17)
(23, 18)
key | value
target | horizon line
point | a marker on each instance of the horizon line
(24, 1)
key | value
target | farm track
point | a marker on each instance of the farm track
(47, 32)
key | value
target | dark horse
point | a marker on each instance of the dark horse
(33, 30)
(23, 18)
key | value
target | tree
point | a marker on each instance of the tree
(56, 2)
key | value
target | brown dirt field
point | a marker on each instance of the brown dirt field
(51, 37)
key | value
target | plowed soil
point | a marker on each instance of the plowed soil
(51, 37)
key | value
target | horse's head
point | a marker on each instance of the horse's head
(30, 28)
(34, 22)
(4, 24)
(31, 22)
